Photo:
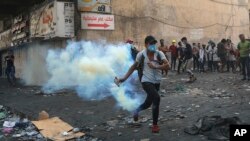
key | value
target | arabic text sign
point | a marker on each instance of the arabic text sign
(102, 6)
(97, 21)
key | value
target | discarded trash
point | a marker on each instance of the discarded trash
(197, 106)
(21, 125)
(2, 115)
(76, 130)
(179, 88)
(65, 133)
(9, 124)
(112, 123)
(143, 120)
(135, 131)
(119, 133)
(17, 135)
(195, 91)
(163, 91)
(43, 115)
(32, 133)
(173, 130)
(7, 130)
(109, 129)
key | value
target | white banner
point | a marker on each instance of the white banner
(97, 21)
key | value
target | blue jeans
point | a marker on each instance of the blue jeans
(10, 72)
(245, 66)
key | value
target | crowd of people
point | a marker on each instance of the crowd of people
(222, 57)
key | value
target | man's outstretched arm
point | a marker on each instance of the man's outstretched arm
(130, 71)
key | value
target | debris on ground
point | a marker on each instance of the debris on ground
(13, 126)
(214, 127)
(43, 115)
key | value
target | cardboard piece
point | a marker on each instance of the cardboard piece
(54, 127)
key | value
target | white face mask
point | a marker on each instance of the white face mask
(183, 44)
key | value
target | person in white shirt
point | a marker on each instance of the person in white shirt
(231, 57)
(202, 58)
(216, 59)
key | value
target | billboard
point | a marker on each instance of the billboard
(97, 21)
(55, 19)
(100, 6)
(43, 21)
(5, 39)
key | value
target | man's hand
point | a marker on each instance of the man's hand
(151, 65)
(119, 80)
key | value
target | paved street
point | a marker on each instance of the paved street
(181, 105)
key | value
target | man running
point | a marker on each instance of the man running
(151, 77)
(188, 55)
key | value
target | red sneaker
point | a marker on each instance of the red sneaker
(155, 129)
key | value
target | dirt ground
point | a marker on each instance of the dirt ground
(181, 105)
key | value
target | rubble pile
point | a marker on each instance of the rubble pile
(13, 126)
(214, 127)
(17, 127)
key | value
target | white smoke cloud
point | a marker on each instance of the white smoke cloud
(34, 71)
(90, 69)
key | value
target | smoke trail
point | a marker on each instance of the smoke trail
(90, 68)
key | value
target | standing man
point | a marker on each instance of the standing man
(150, 79)
(202, 58)
(164, 49)
(174, 54)
(10, 69)
(215, 58)
(195, 56)
(133, 49)
(222, 53)
(244, 49)
(180, 51)
(231, 57)
(188, 55)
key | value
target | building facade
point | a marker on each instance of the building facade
(198, 20)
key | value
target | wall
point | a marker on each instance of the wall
(1, 26)
(30, 60)
(199, 20)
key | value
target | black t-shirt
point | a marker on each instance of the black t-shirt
(188, 52)
(10, 60)
(180, 51)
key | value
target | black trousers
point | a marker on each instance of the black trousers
(179, 65)
(231, 64)
(195, 62)
(173, 62)
(153, 97)
(210, 65)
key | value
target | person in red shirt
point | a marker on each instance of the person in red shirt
(174, 54)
